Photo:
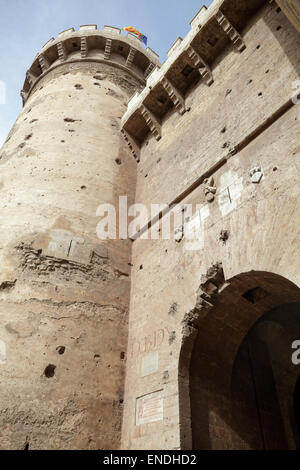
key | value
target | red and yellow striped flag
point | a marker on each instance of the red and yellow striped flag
(133, 30)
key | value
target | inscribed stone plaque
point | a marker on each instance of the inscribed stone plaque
(150, 364)
(150, 408)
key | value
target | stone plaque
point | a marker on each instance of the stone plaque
(150, 408)
(150, 364)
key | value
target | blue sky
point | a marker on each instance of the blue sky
(26, 25)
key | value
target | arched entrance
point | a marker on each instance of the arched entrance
(238, 386)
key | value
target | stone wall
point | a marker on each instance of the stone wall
(64, 294)
(220, 131)
(242, 134)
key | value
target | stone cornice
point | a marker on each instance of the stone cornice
(189, 60)
(88, 44)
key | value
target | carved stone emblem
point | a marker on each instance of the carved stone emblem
(209, 189)
(256, 174)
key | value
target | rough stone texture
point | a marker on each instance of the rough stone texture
(260, 82)
(211, 321)
(229, 130)
(60, 287)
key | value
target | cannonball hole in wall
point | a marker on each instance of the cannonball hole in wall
(61, 350)
(50, 371)
(122, 356)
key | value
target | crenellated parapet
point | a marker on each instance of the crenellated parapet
(89, 44)
(190, 61)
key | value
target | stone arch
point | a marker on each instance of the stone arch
(215, 328)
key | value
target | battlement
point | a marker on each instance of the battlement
(189, 60)
(107, 46)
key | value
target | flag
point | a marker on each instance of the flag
(133, 30)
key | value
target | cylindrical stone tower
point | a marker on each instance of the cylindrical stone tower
(64, 294)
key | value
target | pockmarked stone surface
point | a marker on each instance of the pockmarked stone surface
(140, 342)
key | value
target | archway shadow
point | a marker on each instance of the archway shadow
(218, 400)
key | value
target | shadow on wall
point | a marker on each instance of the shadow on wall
(283, 30)
(239, 375)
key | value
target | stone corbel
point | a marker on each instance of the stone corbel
(130, 57)
(152, 122)
(133, 146)
(108, 47)
(44, 63)
(31, 77)
(24, 96)
(202, 66)
(175, 95)
(62, 52)
(149, 69)
(84, 50)
(231, 32)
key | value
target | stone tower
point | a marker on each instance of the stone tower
(211, 359)
(64, 294)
